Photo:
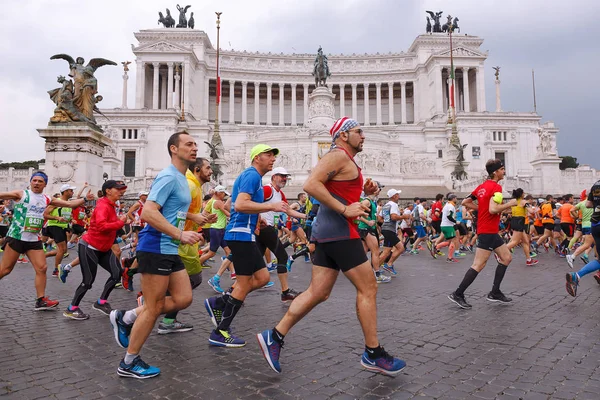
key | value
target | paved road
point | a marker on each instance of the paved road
(544, 345)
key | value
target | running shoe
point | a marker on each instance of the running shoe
(570, 260)
(290, 295)
(103, 308)
(572, 283)
(65, 255)
(45, 303)
(289, 263)
(381, 278)
(140, 299)
(440, 253)
(585, 259)
(270, 349)
(414, 251)
(384, 364)
(62, 273)
(71, 245)
(210, 260)
(223, 258)
(498, 297)
(204, 266)
(118, 285)
(533, 254)
(452, 260)
(75, 314)
(55, 273)
(429, 244)
(22, 260)
(306, 258)
(459, 254)
(271, 267)
(531, 262)
(268, 285)
(137, 369)
(390, 269)
(597, 277)
(432, 250)
(214, 312)
(126, 279)
(223, 338)
(215, 284)
(120, 328)
(233, 276)
(459, 300)
(175, 327)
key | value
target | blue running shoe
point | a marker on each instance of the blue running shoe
(270, 349)
(137, 369)
(390, 269)
(385, 364)
(289, 263)
(268, 285)
(223, 338)
(272, 267)
(572, 283)
(121, 329)
(215, 283)
(62, 273)
(306, 258)
(214, 312)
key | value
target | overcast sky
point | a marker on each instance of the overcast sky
(557, 38)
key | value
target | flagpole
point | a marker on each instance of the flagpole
(452, 114)
(533, 81)
(216, 138)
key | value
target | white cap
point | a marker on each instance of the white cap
(66, 187)
(393, 192)
(280, 171)
(221, 189)
(143, 193)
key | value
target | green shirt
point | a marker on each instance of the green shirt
(586, 214)
(372, 216)
(66, 213)
(221, 218)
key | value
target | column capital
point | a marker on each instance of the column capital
(342, 85)
(256, 84)
(390, 84)
(306, 85)
(231, 83)
(281, 85)
(269, 84)
(378, 85)
(293, 85)
(155, 64)
(170, 64)
(244, 83)
(354, 85)
(403, 83)
(366, 85)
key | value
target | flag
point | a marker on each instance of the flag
(218, 79)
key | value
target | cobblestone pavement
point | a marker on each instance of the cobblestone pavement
(544, 345)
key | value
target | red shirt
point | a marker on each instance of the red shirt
(104, 225)
(79, 216)
(437, 206)
(487, 222)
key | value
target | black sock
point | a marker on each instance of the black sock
(222, 301)
(285, 291)
(565, 243)
(300, 253)
(377, 273)
(500, 271)
(277, 336)
(466, 282)
(231, 308)
(374, 352)
(286, 244)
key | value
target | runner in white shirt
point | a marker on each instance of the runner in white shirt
(448, 222)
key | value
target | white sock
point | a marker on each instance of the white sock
(67, 267)
(128, 359)
(129, 317)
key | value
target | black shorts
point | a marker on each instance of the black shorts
(341, 255)
(539, 229)
(517, 224)
(578, 227)
(390, 239)
(489, 241)
(45, 231)
(549, 226)
(408, 232)
(57, 233)
(217, 239)
(121, 232)
(78, 229)
(568, 229)
(246, 257)
(461, 228)
(268, 238)
(206, 234)
(136, 228)
(21, 246)
(159, 264)
(363, 233)
(557, 227)
(437, 226)
(3, 230)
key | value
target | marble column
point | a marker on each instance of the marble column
(155, 86)
(378, 102)
(439, 91)
(269, 103)
(206, 97)
(391, 119)
(467, 100)
(163, 91)
(187, 76)
(244, 102)
(354, 102)
(124, 100)
(256, 103)
(281, 103)
(141, 84)
(170, 85)
(480, 90)
(178, 89)
(403, 101)
(231, 102)
(498, 103)
(294, 122)
(342, 101)
(305, 85)
(366, 104)
(416, 101)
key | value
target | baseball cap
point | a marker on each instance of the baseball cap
(66, 187)
(280, 171)
(450, 196)
(112, 184)
(221, 189)
(393, 192)
(143, 193)
(262, 148)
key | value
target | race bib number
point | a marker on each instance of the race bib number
(33, 224)
(180, 222)
(67, 215)
(81, 215)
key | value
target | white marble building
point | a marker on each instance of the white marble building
(401, 99)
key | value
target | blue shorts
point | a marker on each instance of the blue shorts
(295, 227)
(420, 231)
(586, 231)
(217, 239)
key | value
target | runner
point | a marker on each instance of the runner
(447, 228)
(247, 201)
(392, 245)
(165, 213)
(488, 196)
(24, 237)
(217, 233)
(135, 215)
(517, 224)
(367, 230)
(58, 226)
(586, 230)
(336, 181)
(567, 222)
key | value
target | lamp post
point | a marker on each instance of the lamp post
(216, 138)
(454, 140)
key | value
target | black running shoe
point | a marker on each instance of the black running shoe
(103, 308)
(459, 300)
(498, 297)
(75, 314)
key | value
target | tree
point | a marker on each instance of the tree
(568, 162)
(23, 165)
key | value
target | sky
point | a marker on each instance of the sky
(555, 38)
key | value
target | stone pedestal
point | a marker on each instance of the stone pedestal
(546, 175)
(74, 155)
(321, 110)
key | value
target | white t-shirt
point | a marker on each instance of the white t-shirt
(386, 213)
(405, 224)
(448, 209)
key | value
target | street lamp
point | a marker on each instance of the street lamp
(105, 176)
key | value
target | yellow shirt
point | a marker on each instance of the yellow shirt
(196, 204)
(519, 211)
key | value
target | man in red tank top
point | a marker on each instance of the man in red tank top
(336, 182)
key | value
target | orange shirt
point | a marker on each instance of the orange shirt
(546, 211)
(565, 214)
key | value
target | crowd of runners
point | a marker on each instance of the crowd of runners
(168, 236)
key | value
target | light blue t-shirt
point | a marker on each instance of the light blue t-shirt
(169, 190)
(241, 226)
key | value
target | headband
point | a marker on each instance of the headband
(493, 167)
(343, 124)
(41, 175)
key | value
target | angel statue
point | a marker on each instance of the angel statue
(85, 84)
(183, 23)
(125, 65)
(497, 74)
(437, 27)
(461, 151)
